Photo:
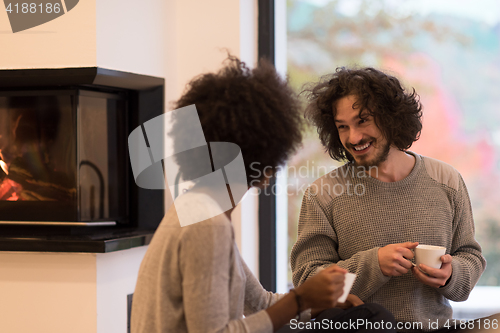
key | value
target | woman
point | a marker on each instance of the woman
(192, 278)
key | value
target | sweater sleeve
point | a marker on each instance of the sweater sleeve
(317, 246)
(468, 263)
(205, 263)
(256, 297)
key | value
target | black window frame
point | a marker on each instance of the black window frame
(267, 199)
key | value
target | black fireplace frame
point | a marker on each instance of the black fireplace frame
(145, 101)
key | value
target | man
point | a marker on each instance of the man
(401, 199)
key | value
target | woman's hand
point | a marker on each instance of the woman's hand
(319, 292)
(323, 289)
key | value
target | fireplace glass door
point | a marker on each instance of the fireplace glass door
(62, 156)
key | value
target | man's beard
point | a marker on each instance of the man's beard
(376, 161)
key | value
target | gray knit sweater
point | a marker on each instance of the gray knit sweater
(347, 216)
(193, 279)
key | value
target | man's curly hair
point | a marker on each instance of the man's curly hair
(253, 108)
(397, 112)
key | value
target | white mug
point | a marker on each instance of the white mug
(429, 255)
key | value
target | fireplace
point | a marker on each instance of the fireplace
(63, 147)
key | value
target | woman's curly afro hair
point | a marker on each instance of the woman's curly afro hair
(396, 112)
(253, 108)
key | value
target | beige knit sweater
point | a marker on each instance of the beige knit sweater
(193, 279)
(430, 206)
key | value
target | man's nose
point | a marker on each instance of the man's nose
(355, 136)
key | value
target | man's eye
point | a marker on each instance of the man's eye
(340, 127)
(362, 121)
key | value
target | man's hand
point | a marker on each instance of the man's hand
(394, 259)
(434, 277)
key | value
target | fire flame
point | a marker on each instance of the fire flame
(13, 197)
(3, 165)
(8, 187)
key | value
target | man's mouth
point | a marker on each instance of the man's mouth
(363, 147)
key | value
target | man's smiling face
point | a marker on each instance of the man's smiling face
(360, 136)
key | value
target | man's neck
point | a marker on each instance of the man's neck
(396, 167)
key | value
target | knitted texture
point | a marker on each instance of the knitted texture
(193, 279)
(346, 216)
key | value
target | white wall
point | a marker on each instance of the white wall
(67, 41)
(130, 35)
(47, 292)
(67, 292)
(114, 34)
(282, 259)
(246, 216)
(116, 278)
(245, 219)
(200, 32)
